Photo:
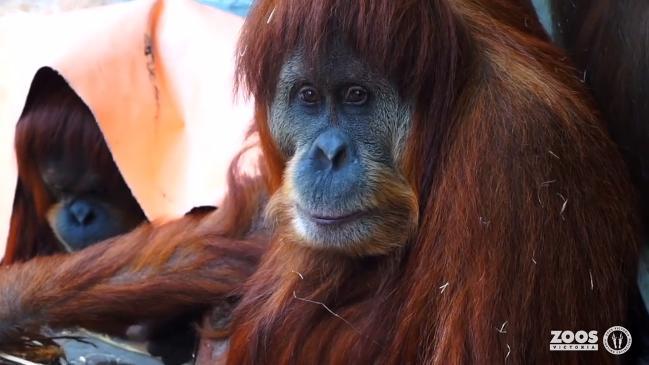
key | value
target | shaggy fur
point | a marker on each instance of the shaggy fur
(522, 198)
(609, 42)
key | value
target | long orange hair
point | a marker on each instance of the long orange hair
(526, 216)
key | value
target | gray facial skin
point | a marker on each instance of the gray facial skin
(342, 129)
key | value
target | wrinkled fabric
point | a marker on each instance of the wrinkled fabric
(157, 76)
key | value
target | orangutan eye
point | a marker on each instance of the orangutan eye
(356, 95)
(309, 95)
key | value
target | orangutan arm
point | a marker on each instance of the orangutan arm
(150, 273)
(147, 274)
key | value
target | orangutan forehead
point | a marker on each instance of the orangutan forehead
(70, 173)
(338, 64)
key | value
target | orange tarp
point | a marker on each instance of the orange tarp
(158, 78)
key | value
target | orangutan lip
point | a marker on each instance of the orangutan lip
(330, 220)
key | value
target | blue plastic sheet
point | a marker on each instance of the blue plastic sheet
(543, 9)
(239, 7)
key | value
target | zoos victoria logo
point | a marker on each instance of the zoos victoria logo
(573, 341)
(616, 340)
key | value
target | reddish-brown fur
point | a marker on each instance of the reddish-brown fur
(522, 197)
(526, 222)
(149, 274)
(55, 119)
(608, 41)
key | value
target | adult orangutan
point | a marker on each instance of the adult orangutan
(438, 190)
(70, 194)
